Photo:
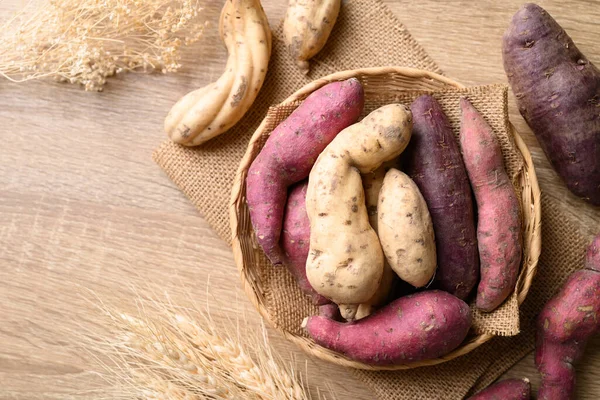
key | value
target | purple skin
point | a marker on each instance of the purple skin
(565, 325)
(417, 327)
(499, 216)
(295, 240)
(434, 162)
(558, 94)
(290, 152)
(509, 389)
(331, 311)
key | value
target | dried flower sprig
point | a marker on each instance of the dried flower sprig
(168, 352)
(86, 41)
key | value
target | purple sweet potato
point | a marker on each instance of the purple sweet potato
(508, 389)
(558, 93)
(564, 327)
(499, 236)
(295, 240)
(290, 152)
(331, 311)
(434, 162)
(417, 327)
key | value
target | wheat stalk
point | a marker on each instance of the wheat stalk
(167, 352)
(266, 377)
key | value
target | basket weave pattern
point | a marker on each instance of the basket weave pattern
(273, 290)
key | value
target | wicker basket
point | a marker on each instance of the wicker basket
(250, 259)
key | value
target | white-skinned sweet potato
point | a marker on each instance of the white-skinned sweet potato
(372, 183)
(345, 263)
(405, 229)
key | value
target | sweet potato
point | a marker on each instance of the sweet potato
(508, 389)
(565, 325)
(499, 216)
(433, 160)
(307, 26)
(331, 311)
(418, 327)
(372, 183)
(211, 110)
(290, 152)
(295, 240)
(345, 262)
(405, 229)
(558, 93)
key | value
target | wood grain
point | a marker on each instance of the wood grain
(83, 207)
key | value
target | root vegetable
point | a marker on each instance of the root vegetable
(558, 93)
(564, 327)
(331, 311)
(499, 235)
(290, 152)
(405, 229)
(307, 26)
(509, 389)
(433, 160)
(345, 263)
(212, 110)
(372, 185)
(295, 240)
(418, 327)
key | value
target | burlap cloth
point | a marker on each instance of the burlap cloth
(368, 34)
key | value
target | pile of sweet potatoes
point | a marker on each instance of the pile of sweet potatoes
(360, 225)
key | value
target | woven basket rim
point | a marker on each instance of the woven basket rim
(531, 194)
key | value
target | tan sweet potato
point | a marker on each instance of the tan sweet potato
(372, 183)
(290, 152)
(418, 327)
(295, 240)
(210, 111)
(405, 229)
(307, 26)
(564, 327)
(508, 389)
(345, 263)
(499, 215)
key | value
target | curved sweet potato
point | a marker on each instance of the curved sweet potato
(290, 152)
(558, 93)
(434, 162)
(499, 216)
(564, 327)
(417, 327)
(345, 262)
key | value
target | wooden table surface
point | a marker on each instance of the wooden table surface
(83, 206)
